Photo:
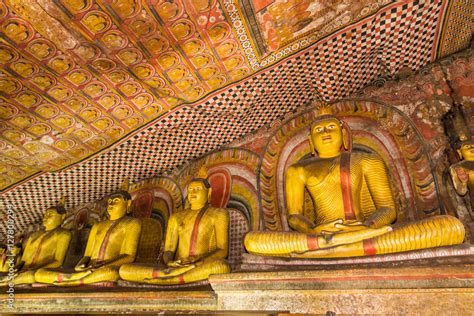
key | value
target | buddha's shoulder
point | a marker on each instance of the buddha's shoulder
(306, 163)
(367, 158)
(217, 211)
(466, 164)
(63, 231)
(37, 234)
(178, 213)
(127, 220)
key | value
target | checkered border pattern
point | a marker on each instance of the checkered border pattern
(459, 27)
(238, 227)
(339, 65)
(382, 44)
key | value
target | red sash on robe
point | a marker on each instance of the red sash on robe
(105, 242)
(346, 186)
(194, 234)
(38, 249)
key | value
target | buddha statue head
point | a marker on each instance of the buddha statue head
(119, 203)
(466, 148)
(329, 136)
(54, 216)
(199, 190)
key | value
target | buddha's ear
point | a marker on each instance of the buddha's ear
(460, 153)
(345, 141)
(129, 206)
(311, 145)
(346, 137)
(209, 194)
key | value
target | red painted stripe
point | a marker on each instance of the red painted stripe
(346, 186)
(181, 279)
(154, 274)
(313, 242)
(194, 234)
(60, 277)
(105, 242)
(369, 247)
(39, 248)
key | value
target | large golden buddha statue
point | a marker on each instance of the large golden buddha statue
(462, 173)
(111, 243)
(44, 249)
(353, 203)
(196, 243)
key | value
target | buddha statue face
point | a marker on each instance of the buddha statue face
(466, 151)
(117, 206)
(52, 219)
(326, 137)
(198, 194)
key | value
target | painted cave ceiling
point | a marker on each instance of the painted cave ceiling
(95, 91)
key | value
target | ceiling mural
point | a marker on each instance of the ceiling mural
(278, 24)
(79, 75)
(88, 87)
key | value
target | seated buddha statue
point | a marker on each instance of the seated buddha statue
(340, 183)
(196, 243)
(9, 258)
(44, 249)
(462, 173)
(111, 243)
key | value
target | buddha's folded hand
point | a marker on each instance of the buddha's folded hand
(336, 239)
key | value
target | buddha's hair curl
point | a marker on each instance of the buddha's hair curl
(124, 194)
(203, 181)
(59, 209)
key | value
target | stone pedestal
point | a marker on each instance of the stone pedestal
(407, 290)
(439, 282)
(105, 301)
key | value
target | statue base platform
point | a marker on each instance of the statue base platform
(436, 290)
(441, 255)
(440, 282)
(88, 299)
(195, 285)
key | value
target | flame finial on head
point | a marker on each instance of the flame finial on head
(62, 201)
(202, 172)
(202, 176)
(60, 206)
(123, 190)
(125, 185)
(463, 137)
(321, 105)
(324, 108)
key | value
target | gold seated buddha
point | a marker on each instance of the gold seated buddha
(111, 243)
(196, 243)
(44, 249)
(9, 258)
(462, 173)
(346, 225)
